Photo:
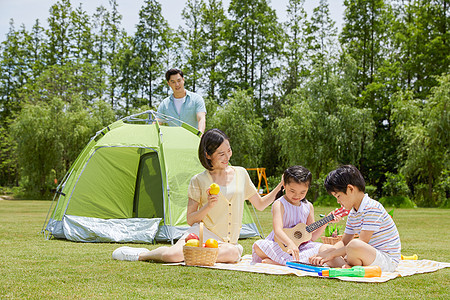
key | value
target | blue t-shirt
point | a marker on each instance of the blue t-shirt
(192, 105)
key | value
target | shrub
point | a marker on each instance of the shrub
(326, 200)
(273, 181)
(395, 185)
(371, 190)
(397, 201)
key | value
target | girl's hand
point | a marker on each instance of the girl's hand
(212, 199)
(293, 250)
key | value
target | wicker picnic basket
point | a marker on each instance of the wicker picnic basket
(200, 256)
(331, 240)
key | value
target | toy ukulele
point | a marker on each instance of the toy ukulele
(301, 233)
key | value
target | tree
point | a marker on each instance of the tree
(252, 48)
(422, 37)
(366, 37)
(213, 19)
(320, 40)
(240, 121)
(151, 42)
(80, 36)
(58, 48)
(127, 75)
(8, 157)
(20, 62)
(424, 126)
(63, 82)
(115, 35)
(295, 66)
(322, 128)
(35, 50)
(191, 37)
(50, 136)
(107, 41)
(14, 72)
(55, 123)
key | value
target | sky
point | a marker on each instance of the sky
(27, 11)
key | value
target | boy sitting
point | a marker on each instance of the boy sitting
(379, 241)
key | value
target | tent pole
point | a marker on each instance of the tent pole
(48, 213)
(166, 185)
(259, 224)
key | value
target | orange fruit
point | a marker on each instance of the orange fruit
(211, 243)
(193, 243)
(214, 189)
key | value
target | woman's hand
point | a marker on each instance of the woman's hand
(212, 199)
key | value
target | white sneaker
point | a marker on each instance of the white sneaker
(128, 253)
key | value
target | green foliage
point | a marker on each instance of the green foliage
(333, 229)
(151, 43)
(320, 129)
(239, 120)
(443, 189)
(295, 46)
(49, 137)
(395, 185)
(273, 181)
(371, 190)
(8, 158)
(253, 38)
(376, 98)
(424, 127)
(326, 200)
(397, 201)
(192, 38)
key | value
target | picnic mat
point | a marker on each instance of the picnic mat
(405, 268)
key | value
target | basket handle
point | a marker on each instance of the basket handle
(200, 235)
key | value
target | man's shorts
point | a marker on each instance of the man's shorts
(384, 261)
(207, 234)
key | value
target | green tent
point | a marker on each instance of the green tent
(129, 184)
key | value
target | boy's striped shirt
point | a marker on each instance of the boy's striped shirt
(371, 216)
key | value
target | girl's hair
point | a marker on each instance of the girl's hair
(296, 174)
(210, 141)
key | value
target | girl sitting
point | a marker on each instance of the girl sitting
(288, 211)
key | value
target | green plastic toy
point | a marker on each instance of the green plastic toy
(356, 271)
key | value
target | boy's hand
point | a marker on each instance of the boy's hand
(336, 218)
(320, 260)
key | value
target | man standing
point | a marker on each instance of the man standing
(182, 104)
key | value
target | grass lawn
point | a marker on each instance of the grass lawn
(34, 268)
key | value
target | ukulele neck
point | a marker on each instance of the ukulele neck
(317, 224)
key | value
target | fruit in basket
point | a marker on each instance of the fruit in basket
(193, 243)
(214, 189)
(211, 243)
(191, 236)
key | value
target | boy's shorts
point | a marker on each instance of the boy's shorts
(384, 261)
(207, 234)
